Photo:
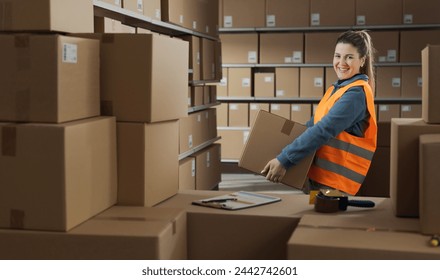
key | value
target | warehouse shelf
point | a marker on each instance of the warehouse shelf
(290, 65)
(138, 20)
(198, 148)
(202, 107)
(203, 82)
(400, 100)
(330, 28)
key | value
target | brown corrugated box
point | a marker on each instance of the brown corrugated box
(244, 13)
(388, 82)
(222, 87)
(208, 65)
(254, 108)
(195, 58)
(274, 133)
(264, 84)
(108, 25)
(48, 78)
(173, 11)
(279, 48)
(239, 82)
(238, 114)
(190, 132)
(411, 82)
(373, 234)
(410, 110)
(367, 12)
(135, 75)
(287, 13)
(386, 112)
(300, 113)
(117, 3)
(147, 151)
(412, 42)
(56, 176)
(377, 181)
(232, 142)
(187, 174)
(431, 84)
(46, 15)
(148, 8)
(404, 164)
(196, 96)
(239, 48)
(280, 109)
(208, 174)
(328, 13)
(311, 83)
(286, 82)
(429, 178)
(119, 233)
(386, 44)
(222, 114)
(416, 13)
(320, 47)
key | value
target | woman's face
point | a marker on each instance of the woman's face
(347, 61)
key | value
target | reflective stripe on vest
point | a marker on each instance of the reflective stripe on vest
(343, 162)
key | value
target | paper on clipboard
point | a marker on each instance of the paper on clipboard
(237, 200)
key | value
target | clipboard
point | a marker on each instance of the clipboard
(237, 200)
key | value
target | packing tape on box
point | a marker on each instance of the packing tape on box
(16, 219)
(5, 16)
(9, 141)
(287, 127)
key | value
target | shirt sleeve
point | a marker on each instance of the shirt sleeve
(346, 113)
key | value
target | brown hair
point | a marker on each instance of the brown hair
(361, 40)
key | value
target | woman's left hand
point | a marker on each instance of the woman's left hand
(274, 171)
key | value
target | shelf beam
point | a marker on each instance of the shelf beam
(198, 148)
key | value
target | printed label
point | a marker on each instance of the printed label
(70, 53)
(270, 21)
(392, 55)
(360, 20)
(315, 19)
(246, 82)
(140, 5)
(275, 107)
(383, 108)
(193, 168)
(254, 107)
(395, 82)
(252, 57)
(227, 21)
(297, 57)
(268, 79)
(419, 81)
(318, 82)
(407, 19)
(233, 107)
(406, 108)
(296, 108)
(279, 93)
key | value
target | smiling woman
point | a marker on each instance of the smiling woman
(343, 130)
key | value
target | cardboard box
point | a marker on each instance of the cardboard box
(109, 25)
(119, 233)
(412, 42)
(282, 110)
(208, 65)
(222, 114)
(384, 237)
(33, 90)
(208, 174)
(388, 82)
(386, 44)
(386, 112)
(55, 176)
(190, 132)
(412, 82)
(311, 83)
(414, 13)
(430, 84)
(279, 48)
(46, 15)
(216, 234)
(320, 47)
(327, 13)
(238, 114)
(264, 85)
(244, 13)
(286, 82)
(274, 133)
(195, 58)
(411, 111)
(187, 174)
(287, 13)
(173, 11)
(147, 151)
(254, 108)
(148, 8)
(239, 48)
(144, 62)
(377, 181)
(232, 142)
(371, 12)
(117, 3)
(197, 96)
(429, 152)
(209, 129)
(239, 82)
(300, 113)
(222, 87)
(404, 164)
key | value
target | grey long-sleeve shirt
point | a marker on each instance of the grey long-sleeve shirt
(349, 113)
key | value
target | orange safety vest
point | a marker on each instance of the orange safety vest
(343, 162)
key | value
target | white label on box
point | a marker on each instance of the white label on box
(70, 53)
(360, 20)
(199, 118)
(270, 21)
(288, 59)
(392, 55)
(198, 58)
(382, 58)
(194, 24)
(318, 82)
(297, 57)
(245, 82)
(315, 19)
(181, 19)
(158, 14)
(189, 101)
(190, 141)
(207, 29)
(233, 107)
(252, 57)
(227, 21)
(407, 18)
(208, 159)
(245, 136)
(406, 108)
(140, 5)
(224, 82)
(279, 92)
(255, 107)
(395, 82)
(383, 108)
(419, 81)
(268, 79)
(206, 115)
(296, 108)
(275, 107)
(193, 167)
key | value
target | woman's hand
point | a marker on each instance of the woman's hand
(274, 171)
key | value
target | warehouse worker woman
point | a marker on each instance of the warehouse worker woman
(343, 129)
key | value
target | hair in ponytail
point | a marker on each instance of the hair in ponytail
(361, 40)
